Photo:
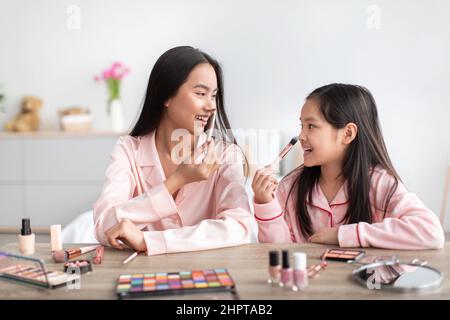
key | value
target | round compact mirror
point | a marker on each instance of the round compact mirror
(394, 275)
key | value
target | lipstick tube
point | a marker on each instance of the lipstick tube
(99, 252)
(55, 236)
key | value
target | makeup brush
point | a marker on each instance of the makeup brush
(284, 152)
(65, 255)
(208, 137)
(211, 127)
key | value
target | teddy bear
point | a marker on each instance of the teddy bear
(28, 118)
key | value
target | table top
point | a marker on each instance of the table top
(247, 265)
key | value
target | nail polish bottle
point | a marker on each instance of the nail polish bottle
(286, 271)
(26, 238)
(274, 267)
(300, 271)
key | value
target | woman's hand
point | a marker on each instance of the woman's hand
(326, 236)
(264, 185)
(192, 169)
(128, 233)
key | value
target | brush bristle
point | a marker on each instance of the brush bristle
(60, 256)
(293, 140)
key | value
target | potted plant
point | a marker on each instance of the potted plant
(113, 77)
(2, 98)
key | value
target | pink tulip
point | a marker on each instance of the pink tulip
(117, 71)
(106, 74)
(113, 73)
(116, 74)
(116, 65)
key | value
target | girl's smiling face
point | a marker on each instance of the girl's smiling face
(321, 142)
(195, 100)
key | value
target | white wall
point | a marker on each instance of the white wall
(273, 53)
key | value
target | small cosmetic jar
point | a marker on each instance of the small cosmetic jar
(83, 265)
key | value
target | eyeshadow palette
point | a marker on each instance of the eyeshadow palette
(36, 275)
(162, 283)
(83, 266)
(342, 255)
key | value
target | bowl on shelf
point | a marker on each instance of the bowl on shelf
(75, 119)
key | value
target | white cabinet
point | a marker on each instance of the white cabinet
(11, 155)
(12, 204)
(51, 177)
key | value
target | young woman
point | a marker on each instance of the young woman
(347, 192)
(151, 201)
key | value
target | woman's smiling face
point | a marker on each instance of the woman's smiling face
(195, 100)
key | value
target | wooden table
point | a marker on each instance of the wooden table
(247, 265)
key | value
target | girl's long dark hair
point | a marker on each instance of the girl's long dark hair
(341, 104)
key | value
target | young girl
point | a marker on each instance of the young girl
(347, 192)
(151, 202)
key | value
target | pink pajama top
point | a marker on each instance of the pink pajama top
(206, 214)
(408, 224)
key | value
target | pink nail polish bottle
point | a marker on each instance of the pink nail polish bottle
(286, 271)
(300, 271)
(274, 267)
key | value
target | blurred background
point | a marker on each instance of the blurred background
(273, 54)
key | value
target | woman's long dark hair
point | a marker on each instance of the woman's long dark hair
(341, 104)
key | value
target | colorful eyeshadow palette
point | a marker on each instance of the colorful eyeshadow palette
(161, 283)
(36, 276)
(342, 255)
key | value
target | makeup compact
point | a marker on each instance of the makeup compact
(395, 275)
(170, 283)
(342, 254)
(73, 266)
(28, 270)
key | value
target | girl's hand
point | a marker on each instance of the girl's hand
(326, 236)
(264, 185)
(129, 234)
(192, 170)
